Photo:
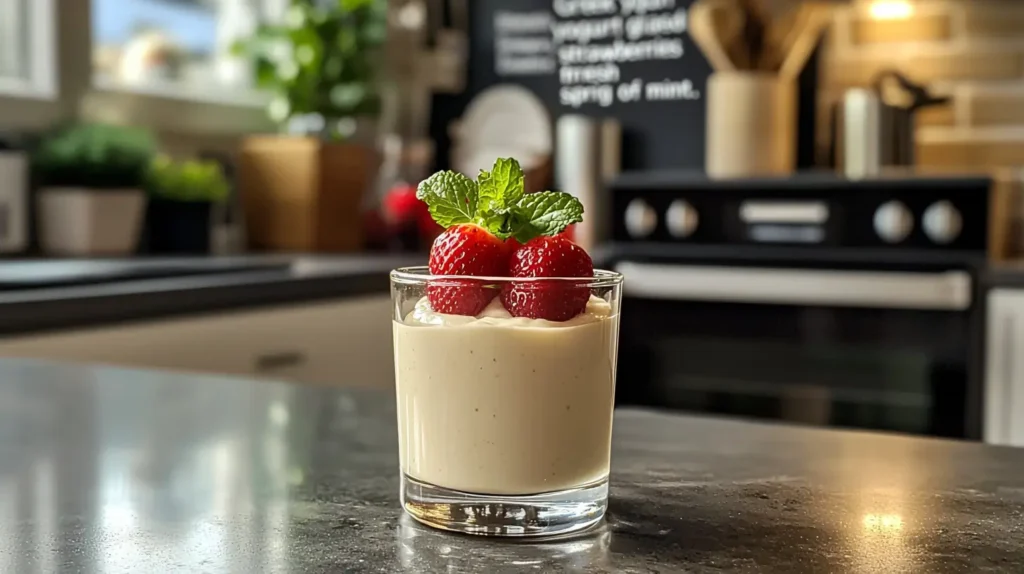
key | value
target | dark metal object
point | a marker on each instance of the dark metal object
(753, 298)
(878, 125)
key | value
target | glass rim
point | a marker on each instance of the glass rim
(420, 274)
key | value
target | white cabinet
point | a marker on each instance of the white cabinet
(342, 343)
(1004, 368)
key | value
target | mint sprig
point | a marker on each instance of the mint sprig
(501, 187)
(497, 202)
(544, 213)
(451, 197)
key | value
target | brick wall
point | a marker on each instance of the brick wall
(971, 50)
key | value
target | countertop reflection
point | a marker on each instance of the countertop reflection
(105, 470)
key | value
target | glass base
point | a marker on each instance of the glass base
(548, 514)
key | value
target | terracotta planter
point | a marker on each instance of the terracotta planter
(304, 194)
(82, 221)
(751, 125)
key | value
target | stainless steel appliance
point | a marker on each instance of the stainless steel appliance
(878, 124)
(587, 154)
(809, 299)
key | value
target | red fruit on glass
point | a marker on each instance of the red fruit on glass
(552, 300)
(467, 250)
(401, 206)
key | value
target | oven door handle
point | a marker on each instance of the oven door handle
(947, 291)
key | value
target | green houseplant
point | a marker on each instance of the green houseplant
(188, 181)
(182, 195)
(321, 67)
(90, 188)
(322, 62)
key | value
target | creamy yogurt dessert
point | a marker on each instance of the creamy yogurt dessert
(503, 405)
(505, 352)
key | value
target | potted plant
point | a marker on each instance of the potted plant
(303, 190)
(90, 199)
(181, 197)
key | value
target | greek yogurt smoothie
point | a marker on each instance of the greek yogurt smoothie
(505, 352)
(505, 405)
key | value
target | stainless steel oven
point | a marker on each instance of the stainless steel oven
(793, 319)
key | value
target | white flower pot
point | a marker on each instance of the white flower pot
(81, 221)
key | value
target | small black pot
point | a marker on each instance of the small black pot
(178, 226)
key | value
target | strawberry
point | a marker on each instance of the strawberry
(401, 206)
(485, 221)
(548, 256)
(465, 249)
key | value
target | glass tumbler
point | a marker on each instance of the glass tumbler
(505, 423)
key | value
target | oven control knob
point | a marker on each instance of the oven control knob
(893, 222)
(681, 219)
(641, 219)
(942, 222)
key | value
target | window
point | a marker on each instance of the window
(27, 47)
(12, 22)
(177, 48)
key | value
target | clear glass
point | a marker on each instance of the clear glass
(505, 423)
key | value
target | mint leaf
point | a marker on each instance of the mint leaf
(496, 223)
(451, 197)
(497, 203)
(545, 213)
(501, 187)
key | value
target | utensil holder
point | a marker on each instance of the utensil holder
(751, 125)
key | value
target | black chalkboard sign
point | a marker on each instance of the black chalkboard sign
(628, 59)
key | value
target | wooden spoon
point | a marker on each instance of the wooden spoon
(703, 29)
(752, 40)
(782, 34)
(807, 35)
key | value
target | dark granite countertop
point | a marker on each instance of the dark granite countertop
(284, 280)
(131, 471)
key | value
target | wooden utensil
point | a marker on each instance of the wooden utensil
(728, 23)
(703, 29)
(752, 40)
(806, 35)
(781, 37)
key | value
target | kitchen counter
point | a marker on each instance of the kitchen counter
(304, 279)
(114, 470)
(295, 279)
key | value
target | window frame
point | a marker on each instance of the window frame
(239, 98)
(42, 82)
(165, 109)
(61, 87)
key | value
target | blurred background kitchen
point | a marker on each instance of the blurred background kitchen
(815, 204)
